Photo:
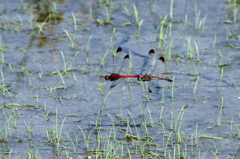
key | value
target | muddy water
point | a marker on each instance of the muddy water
(54, 56)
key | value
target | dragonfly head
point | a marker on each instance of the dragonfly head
(106, 77)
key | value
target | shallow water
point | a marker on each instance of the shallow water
(56, 103)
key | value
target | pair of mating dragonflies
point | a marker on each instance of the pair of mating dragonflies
(153, 67)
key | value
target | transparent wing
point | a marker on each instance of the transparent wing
(151, 61)
(159, 66)
(150, 86)
(124, 66)
(116, 82)
(117, 57)
(122, 70)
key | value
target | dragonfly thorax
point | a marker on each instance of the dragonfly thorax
(112, 77)
(145, 77)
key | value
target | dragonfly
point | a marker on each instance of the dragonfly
(117, 77)
(154, 66)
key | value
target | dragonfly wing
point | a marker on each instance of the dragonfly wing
(124, 66)
(116, 82)
(150, 86)
(151, 61)
(122, 70)
(159, 66)
(117, 57)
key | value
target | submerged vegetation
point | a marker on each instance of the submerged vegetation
(55, 102)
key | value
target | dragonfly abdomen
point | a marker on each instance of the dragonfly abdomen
(148, 77)
(115, 76)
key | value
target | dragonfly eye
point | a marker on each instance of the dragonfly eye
(106, 77)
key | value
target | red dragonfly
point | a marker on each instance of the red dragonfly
(154, 65)
(116, 77)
